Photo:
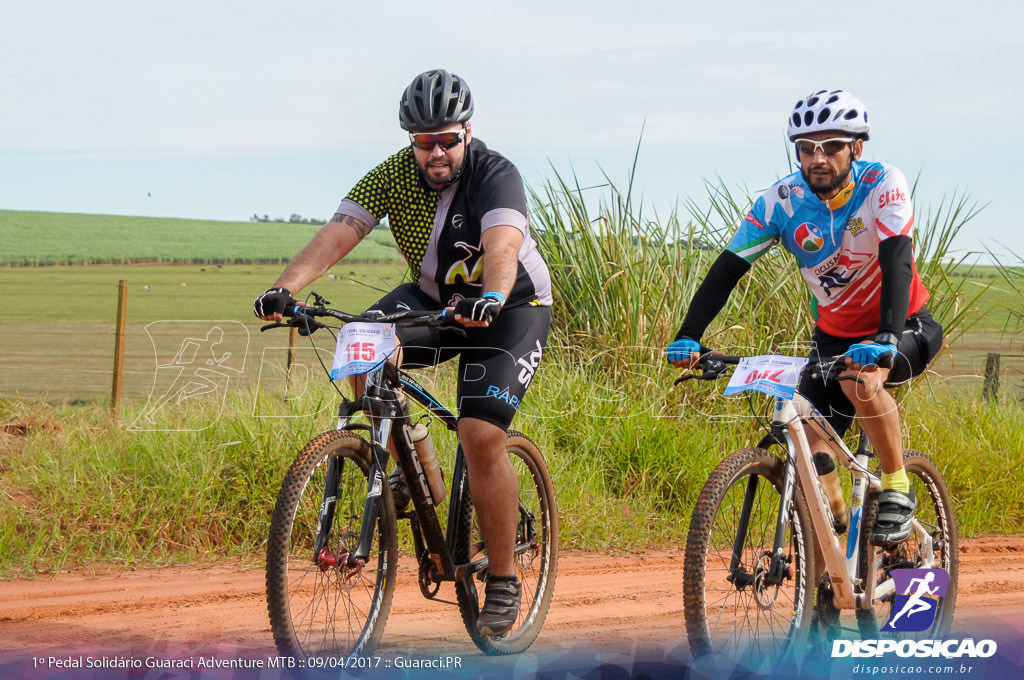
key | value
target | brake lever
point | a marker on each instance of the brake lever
(276, 324)
(711, 372)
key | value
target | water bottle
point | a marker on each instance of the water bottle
(826, 468)
(424, 445)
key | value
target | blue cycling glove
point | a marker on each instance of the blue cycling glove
(680, 349)
(868, 353)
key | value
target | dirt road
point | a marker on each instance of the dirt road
(608, 604)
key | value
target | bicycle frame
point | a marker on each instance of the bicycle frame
(380, 401)
(791, 418)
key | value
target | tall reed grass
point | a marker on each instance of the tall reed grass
(623, 279)
(627, 451)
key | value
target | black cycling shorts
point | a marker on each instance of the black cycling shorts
(921, 341)
(496, 363)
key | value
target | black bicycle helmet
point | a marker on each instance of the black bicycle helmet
(434, 100)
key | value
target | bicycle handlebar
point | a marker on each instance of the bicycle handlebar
(714, 366)
(302, 316)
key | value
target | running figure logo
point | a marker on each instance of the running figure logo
(193, 368)
(917, 598)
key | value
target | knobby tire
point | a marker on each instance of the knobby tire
(336, 611)
(745, 618)
(536, 567)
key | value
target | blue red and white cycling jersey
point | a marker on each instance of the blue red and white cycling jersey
(836, 241)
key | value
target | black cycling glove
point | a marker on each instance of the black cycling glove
(274, 301)
(484, 308)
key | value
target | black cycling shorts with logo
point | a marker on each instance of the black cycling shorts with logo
(921, 341)
(496, 363)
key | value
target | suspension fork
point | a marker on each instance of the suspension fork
(383, 414)
(777, 570)
(325, 515)
(329, 497)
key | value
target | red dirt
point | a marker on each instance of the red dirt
(613, 603)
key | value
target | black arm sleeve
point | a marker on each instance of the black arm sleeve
(896, 259)
(712, 294)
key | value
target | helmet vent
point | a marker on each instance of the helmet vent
(823, 115)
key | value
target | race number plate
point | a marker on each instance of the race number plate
(772, 374)
(361, 348)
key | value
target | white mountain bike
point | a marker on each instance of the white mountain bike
(765, 567)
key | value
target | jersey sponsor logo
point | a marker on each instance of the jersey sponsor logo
(828, 264)
(840, 274)
(891, 197)
(871, 176)
(461, 268)
(529, 364)
(503, 394)
(855, 225)
(808, 236)
(457, 221)
(783, 192)
(753, 220)
(797, 190)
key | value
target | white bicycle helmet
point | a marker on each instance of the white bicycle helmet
(829, 110)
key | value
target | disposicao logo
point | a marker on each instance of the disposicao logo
(917, 599)
(914, 606)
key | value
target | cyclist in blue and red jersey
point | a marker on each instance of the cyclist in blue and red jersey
(849, 224)
(458, 213)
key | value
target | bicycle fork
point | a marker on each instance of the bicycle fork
(777, 568)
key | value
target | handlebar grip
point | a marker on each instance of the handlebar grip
(290, 308)
(885, 360)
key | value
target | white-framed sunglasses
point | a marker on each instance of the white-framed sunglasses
(830, 146)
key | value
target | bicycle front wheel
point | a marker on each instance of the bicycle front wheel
(935, 515)
(320, 604)
(536, 561)
(732, 602)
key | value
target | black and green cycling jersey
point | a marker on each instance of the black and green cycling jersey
(439, 232)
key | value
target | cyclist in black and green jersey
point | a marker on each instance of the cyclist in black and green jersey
(458, 213)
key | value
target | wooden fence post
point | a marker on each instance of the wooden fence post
(991, 389)
(122, 308)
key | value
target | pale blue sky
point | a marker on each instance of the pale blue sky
(222, 109)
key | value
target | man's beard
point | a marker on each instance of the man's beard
(440, 182)
(837, 182)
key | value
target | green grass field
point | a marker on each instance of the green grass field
(59, 342)
(38, 238)
(627, 450)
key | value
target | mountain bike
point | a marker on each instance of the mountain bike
(765, 567)
(332, 555)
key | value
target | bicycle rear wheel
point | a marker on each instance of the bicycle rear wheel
(729, 605)
(935, 515)
(319, 605)
(536, 561)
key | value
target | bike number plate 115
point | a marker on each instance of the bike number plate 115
(772, 374)
(361, 348)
